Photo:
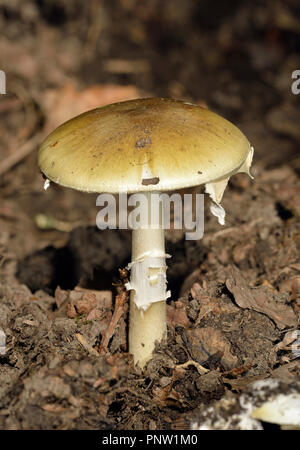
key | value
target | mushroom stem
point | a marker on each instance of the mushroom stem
(147, 322)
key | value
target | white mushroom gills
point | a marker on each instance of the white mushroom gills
(148, 286)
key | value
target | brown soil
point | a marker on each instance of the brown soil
(235, 293)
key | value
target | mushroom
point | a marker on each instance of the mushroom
(146, 146)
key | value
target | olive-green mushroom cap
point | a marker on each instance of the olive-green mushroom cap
(143, 145)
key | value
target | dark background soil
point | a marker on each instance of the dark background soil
(64, 57)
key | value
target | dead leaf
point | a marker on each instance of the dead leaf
(103, 298)
(176, 315)
(84, 301)
(94, 314)
(261, 299)
(68, 101)
(207, 342)
(292, 286)
(288, 339)
(241, 383)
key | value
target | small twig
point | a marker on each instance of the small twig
(20, 154)
(94, 31)
(227, 231)
(121, 300)
(198, 366)
(31, 115)
(236, 371)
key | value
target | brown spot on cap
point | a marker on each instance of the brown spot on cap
(55, 143)
(147, 181)
(143, 142)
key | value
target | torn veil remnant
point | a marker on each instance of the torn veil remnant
(216, 189)
(148, 279)
(46, 184)
(146, 146)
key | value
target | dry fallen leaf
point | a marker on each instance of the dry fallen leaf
(83, 301)
(261, 299)
(68, 101)
(207, 342)
(288, 339)
(176, 315)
